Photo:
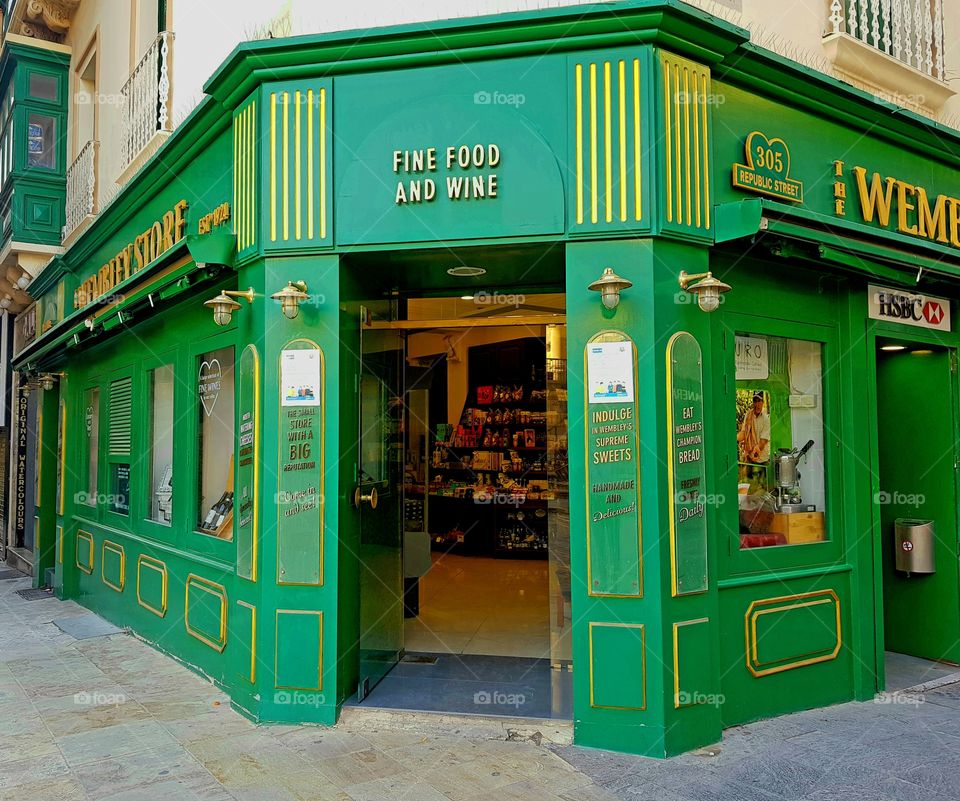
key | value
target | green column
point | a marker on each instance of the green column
(624, 608)
(296, 632)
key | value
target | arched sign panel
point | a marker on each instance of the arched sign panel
(614, 553)
(686, 467)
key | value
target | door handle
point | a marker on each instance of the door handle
(359, 497)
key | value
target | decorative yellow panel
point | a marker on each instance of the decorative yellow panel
(686, 96)
(792, 631)
(298, 186)
(152, 585)
(608, 140)
(84, 555)
(205, 611)
(246, 175)
(113, 565)
(249, 646)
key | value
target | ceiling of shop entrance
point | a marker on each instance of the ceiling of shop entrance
(509, 268)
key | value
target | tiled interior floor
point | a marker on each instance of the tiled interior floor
(904, 671)
(477, 685)
(479, 605)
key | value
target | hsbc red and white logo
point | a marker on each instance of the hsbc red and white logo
(933, 312)
(907, 308)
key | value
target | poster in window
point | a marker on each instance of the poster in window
(610, 372)
(300, 377)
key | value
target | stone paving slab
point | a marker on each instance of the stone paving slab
(110, 719)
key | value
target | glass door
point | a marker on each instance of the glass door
(379, 498)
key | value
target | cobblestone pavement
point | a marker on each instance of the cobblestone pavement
(110, 718)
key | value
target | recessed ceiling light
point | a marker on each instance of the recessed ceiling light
(466, 297)
(463, 271)
(893, 347)
(922, 352)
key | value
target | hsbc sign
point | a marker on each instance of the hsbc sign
(900, 306)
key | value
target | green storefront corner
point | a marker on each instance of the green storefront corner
(651, 138)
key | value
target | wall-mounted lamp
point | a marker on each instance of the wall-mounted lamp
(707, 289)
(610, 285)
(290, 298)
(47, 380)
(6, 302)
(224, 305)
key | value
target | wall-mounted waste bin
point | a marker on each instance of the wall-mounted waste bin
(913, 541)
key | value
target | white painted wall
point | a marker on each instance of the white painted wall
(206, 32)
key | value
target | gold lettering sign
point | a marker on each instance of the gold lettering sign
(906, 208)
(145, 248)
(767, 169)
(214, 219)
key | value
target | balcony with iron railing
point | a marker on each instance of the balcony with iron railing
(147, 106)
(896, 45)
(82, 199)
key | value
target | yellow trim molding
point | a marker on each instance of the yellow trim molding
(785, 603)
(88, 537)
(113, 547)
(676, 656)
(253, 639)
(153, 564)
(643, 662)
(212, 588)
(276, 649)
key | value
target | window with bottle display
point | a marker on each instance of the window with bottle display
(780, 435)
(215, 410)
(160, 460)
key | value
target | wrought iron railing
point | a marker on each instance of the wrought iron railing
(147, 99)
(81, 187)
(909, 30)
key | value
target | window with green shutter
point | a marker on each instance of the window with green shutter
(120, 429)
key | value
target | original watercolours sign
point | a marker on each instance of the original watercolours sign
(613, 469)
(300, 474)
(686, 466)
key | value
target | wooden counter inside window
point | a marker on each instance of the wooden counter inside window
(798, 527)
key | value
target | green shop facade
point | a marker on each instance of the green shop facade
(718, 575)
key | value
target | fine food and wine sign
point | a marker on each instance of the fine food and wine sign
(613, 475)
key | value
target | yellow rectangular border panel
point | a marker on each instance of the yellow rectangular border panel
(111, 547)
(144, 561)
(621, 663)
(784, 605)
(217, 590)
(85, 536)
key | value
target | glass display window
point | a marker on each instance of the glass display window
(779, 403)
(160, 458)
(215, 410)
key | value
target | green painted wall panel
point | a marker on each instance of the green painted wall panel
(693, 663)
(299, 649)
(618, 666)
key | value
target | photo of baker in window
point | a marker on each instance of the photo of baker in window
(753, 435)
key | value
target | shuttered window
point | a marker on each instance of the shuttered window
(119, 423)
(121, 412)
